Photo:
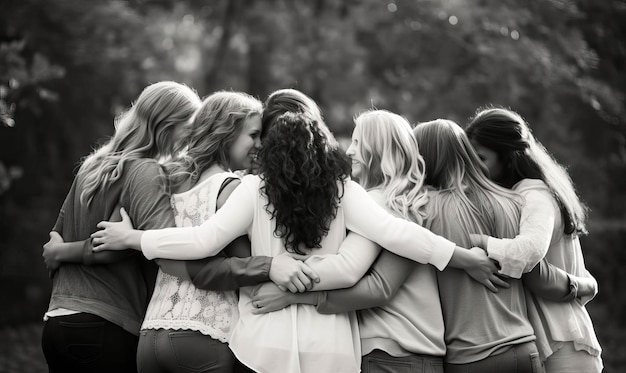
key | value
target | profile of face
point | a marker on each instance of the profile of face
(245, 147)
(490, 159)
(354, 153)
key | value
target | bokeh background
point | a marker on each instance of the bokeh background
(68, 66)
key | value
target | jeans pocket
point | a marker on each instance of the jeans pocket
(378, 365)
(84, 340)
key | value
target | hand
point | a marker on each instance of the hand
(479, 240)
(292, 274)
(587, 288)
(113, 236)
(267, 297)
(50, 252)
(484, 270)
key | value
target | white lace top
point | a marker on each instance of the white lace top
(177, 303)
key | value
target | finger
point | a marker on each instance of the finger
(310, 273)
(490, 286)
(292, 288)
(55, 236)
(299, 285)
(500, 282)
(124, 215)
(281, 287)
(103, 224)
(305, 280)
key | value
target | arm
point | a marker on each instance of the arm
(554, 284)
(376, 288)
(522, 253)
(183, 243)
(410, 240)
(354, 257)
(82, 251)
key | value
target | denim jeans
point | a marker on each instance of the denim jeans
(166, 351)
(522, 358)
(379, 361)
(84, 342)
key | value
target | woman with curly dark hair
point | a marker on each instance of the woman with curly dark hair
(302, 201)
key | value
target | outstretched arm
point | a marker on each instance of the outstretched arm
(412, 241)
(183, 243)
(376, 288)
(521, 254)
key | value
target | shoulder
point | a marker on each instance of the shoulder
(143, 167)
(227, 186)
(527, 185)
(251, 181)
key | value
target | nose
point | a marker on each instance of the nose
(350, 150)
(257, 143)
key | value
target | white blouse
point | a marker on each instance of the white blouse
(298, 338)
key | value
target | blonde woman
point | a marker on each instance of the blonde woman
(92, 322)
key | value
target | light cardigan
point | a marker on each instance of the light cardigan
(298, 338)
(400, 311)
(554, 322)
(520, 254)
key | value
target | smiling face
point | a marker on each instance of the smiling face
(243, 150)
(354, 152)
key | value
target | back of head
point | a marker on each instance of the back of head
(523, 157)
(151, 128)
(214, 128)
(288, 100)
(465, 193)
(392, 161)
(301, 165)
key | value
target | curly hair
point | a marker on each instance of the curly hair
(302, 168)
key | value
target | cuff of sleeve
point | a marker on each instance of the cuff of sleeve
(442, 253)
(496, 250)
(321, 305)
(573, 289)
(149, 243)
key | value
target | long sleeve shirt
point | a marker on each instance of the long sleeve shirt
(388, 297)
(297, 338)
(119, 291)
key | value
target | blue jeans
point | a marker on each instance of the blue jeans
(522, 358)
(167, 351)
(379, 361)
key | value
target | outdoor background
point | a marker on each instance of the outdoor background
(68, 66)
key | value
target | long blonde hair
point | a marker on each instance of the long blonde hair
(215, 127)
(148, 129)
(392, 161)
(454, 168)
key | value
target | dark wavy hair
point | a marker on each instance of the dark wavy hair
(507, 134)
(302, 167)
